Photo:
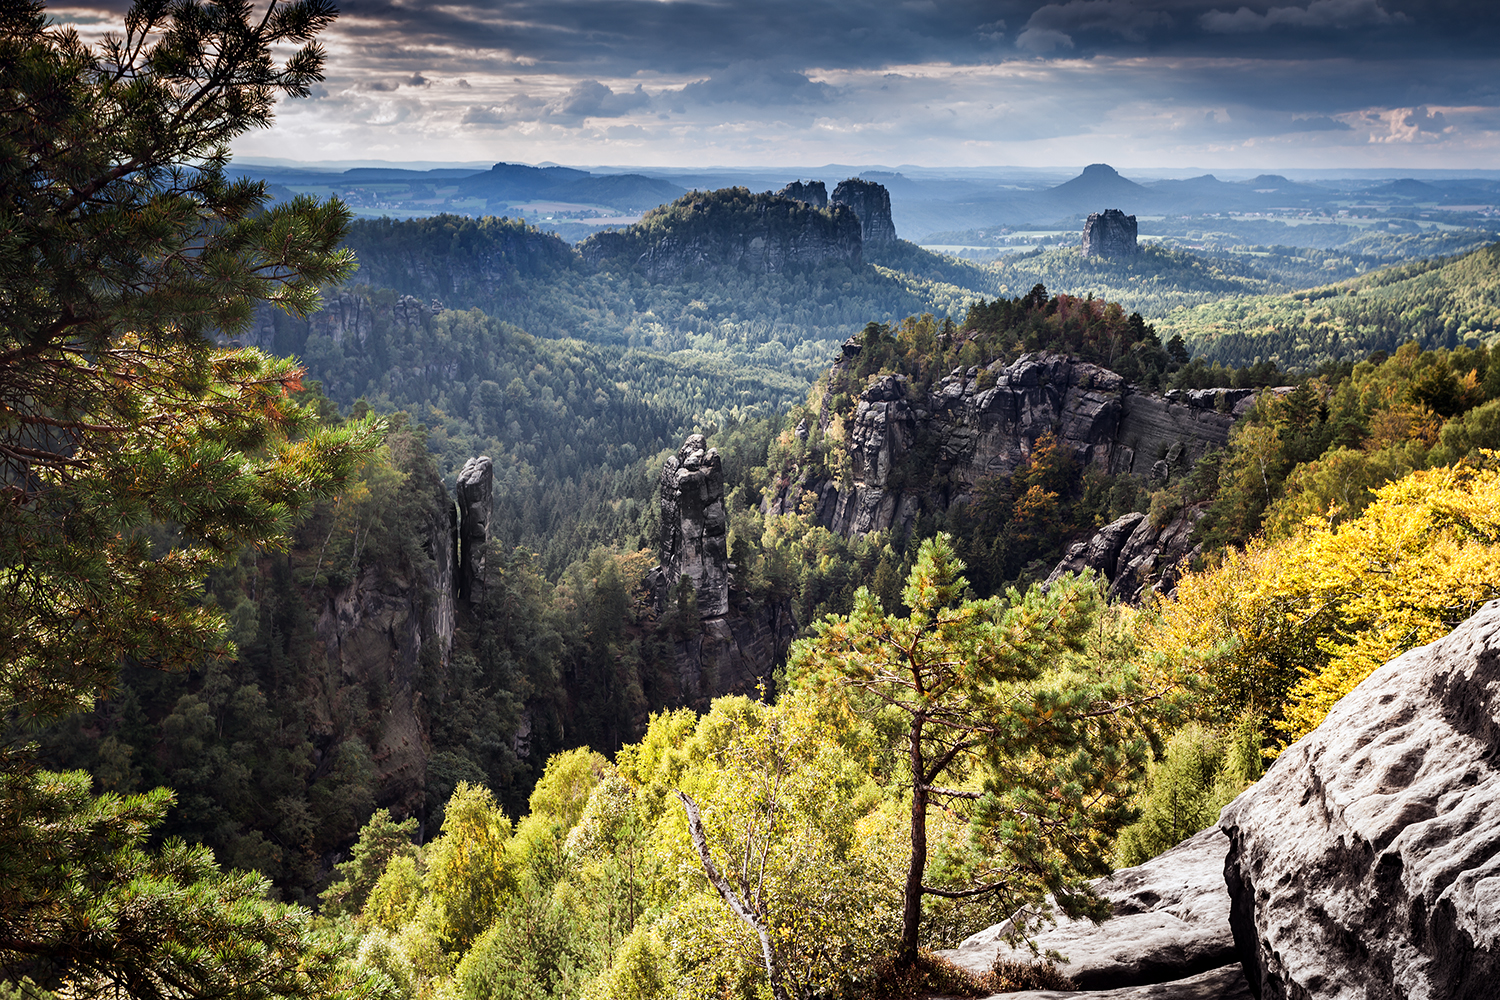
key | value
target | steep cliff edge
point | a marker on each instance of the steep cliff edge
(393, 624)
(909, 455)
(739, 642)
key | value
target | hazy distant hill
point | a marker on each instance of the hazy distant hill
(508, 183)
(1440, 303)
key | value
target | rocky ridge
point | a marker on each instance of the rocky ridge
(977, 423)
(732, 228)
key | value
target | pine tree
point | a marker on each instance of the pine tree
(136, 454)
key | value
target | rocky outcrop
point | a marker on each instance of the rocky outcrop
(1366, 863)
(737, 645)
(1135, 555)
(1170, 921)
(812, 192)
(694, 540)
(381, 630)
(871, 202)
(1111, 233)
(1221, 984)
(475, 493)
(731, 228)
(977, 423)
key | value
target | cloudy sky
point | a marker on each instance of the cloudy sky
(1137, 83)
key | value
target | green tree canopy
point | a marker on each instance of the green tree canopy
(136, 454)
(1002, 722)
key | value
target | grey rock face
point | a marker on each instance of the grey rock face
(475, 493)
(1170, 921)
(812, 192)
(1135, 556)
(872, 203)
(977, 424)
(1227, 983)
(734, 654)
(1365, 865)
(694, 543)
(374, 630)
(1111, 233)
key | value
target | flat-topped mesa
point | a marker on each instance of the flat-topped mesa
(474, 493)
(811, 192)
(871, 202)
(694, 542)
(1111, 233)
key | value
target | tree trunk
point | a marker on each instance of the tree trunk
(727, 893)
(911, 914)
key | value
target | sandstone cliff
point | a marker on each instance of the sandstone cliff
(871, 202)
(394, 623)
(812, 192)
(1111, 233)
(738, 643)
(976, 423)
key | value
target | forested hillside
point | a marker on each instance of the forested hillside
(1438, 303)
(790, 317)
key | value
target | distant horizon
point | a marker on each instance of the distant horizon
(913, 170)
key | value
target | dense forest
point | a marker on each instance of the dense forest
(1443, 302)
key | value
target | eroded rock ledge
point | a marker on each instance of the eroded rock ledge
(1366, 863)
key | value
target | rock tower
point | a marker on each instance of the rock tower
(871, 202)
(1110, 234)
(811, 192)
(694, 543)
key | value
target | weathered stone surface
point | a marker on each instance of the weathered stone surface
(1365, 865)
(1101, 552)
(1171, 921)
(871, 202)
(1110, 233)
(812, 192)
(1227, 983)
(733, 654)
(1135, 556)
(475, 493)
(373, 631)
(694, 543)
(977, 424)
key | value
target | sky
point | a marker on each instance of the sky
(955, 83)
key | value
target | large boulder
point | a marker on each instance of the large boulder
(1365, 865)
(1170, 921)
(1227, 983)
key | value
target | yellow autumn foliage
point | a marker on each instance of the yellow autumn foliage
(1296, 623)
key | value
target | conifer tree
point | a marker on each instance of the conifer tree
(136, 454)
(1001, 723)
